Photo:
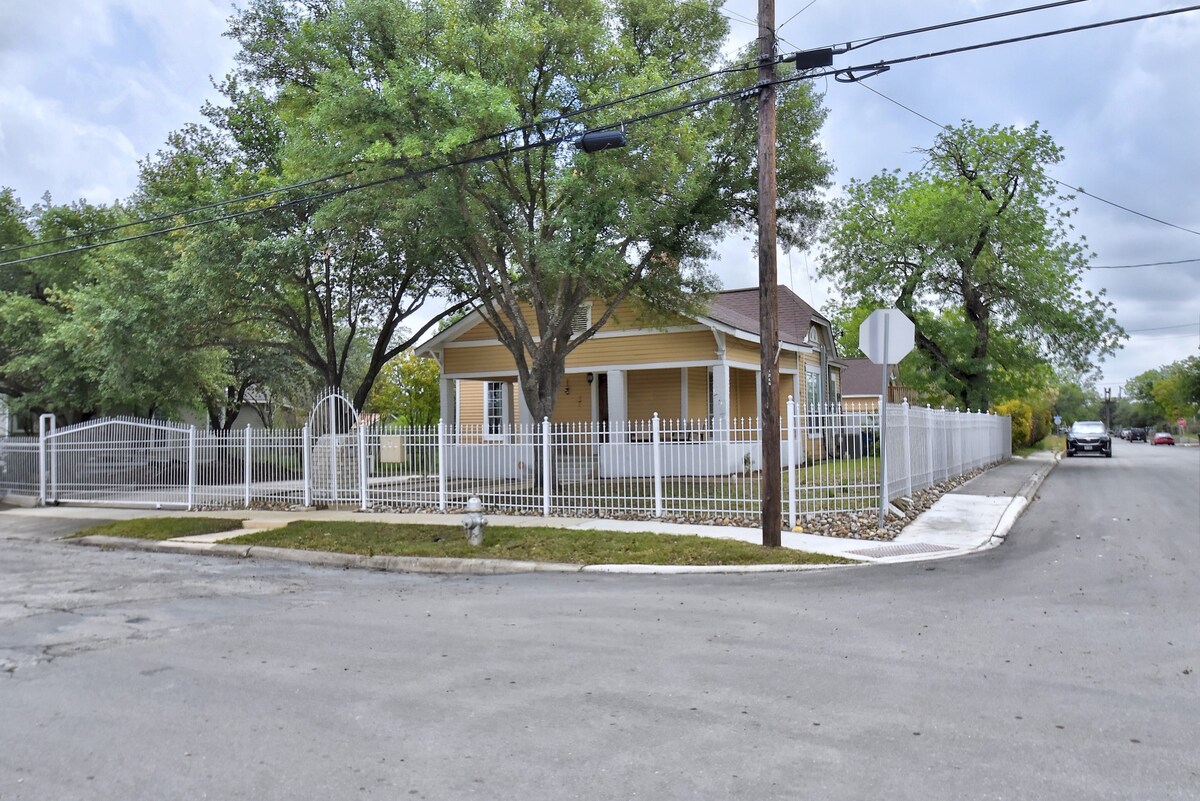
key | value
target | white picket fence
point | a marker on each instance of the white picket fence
(657, 468)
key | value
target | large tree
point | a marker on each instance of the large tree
(79, 333)
(407, 88)
(976, 247)
(1167, 393)
(331, 282)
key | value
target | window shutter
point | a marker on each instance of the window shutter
(582, 319)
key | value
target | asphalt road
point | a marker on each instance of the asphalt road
(1061, 665)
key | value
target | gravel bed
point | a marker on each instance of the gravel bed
(861, 525)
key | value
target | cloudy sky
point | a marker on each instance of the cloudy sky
(91, 86)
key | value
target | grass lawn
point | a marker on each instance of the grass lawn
(851, 482)
(162, 528)
(534, 543)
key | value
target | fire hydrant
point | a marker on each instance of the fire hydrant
(474, 521)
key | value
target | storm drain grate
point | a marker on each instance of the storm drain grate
(883, 551)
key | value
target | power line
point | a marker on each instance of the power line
(944, 127)
(798, 13)
(885, 64)
(843, 74)
(1176, 336)
(1125, 208)
(159, 218)
(1162, 328)
(541, 122)
(546, 121)
(306, 199)
(489, 157)
(855, 44)
(1134, 266)
(733, 16)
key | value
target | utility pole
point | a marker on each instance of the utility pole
(768, 293)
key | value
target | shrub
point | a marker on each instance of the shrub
(1043, 425)
(1022, 422)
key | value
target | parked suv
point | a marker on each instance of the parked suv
(1137, 435)
(1089, 436)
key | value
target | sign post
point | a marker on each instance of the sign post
(885, 336)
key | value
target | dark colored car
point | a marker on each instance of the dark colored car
(1163, 438)
(1137, 435)
(1089, 436)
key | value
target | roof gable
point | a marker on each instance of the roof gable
(739, 308)
(863, 377)
(734, 308)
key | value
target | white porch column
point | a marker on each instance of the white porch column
(449, 403)
(618, 406)
(721, 397)
(524, 417)
(758, 392)
(684, 411)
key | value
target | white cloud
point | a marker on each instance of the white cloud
(91, 86)
(48, 148)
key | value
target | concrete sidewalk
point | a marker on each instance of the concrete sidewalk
(975, 516)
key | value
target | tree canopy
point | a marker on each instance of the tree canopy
(394, 162)
(457, 106)
(977, 249)
(1165, 394)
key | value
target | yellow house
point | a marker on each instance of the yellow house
(700, 375)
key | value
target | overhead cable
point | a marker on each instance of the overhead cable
(849, 74)
(1135, 266)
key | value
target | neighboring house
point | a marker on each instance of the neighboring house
(862, 381)
(13, 424)
(703, 370)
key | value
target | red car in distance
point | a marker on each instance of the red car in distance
(1163, 438)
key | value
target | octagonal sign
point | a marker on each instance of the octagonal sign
(886, 336)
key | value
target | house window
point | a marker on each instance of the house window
(582, 319)
(495, 408)
(812, 397)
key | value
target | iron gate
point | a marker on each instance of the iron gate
(119, 461)
(336, 451)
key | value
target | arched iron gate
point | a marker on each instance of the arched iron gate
(336, 464)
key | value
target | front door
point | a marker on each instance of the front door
(602, 405)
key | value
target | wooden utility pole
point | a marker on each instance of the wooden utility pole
(768, 293)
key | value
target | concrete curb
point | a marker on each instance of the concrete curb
(162, 546)
(411, 564)
(416, 564)
(391, 564)
(1019, 503)
(647, 570)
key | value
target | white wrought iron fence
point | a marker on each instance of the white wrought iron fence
(674, 469)
(20, 465)
(927, 446)
(251, 467)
